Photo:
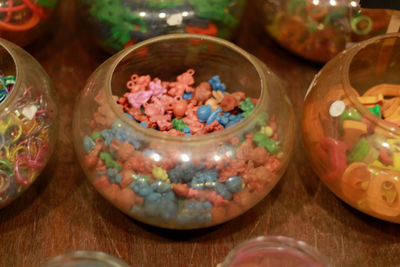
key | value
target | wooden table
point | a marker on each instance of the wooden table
(62, 211)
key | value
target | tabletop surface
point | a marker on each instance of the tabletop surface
(62, 211)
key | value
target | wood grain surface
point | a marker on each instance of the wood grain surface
(62, 211)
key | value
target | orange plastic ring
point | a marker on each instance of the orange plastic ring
(32, 22)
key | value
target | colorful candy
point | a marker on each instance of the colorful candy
(182, 185)
(319, 29)
(118, 24)
(364, 158)
(160, 105)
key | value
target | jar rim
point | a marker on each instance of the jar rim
(6, 45)
(219, 135)
(95, 256)
(276, 243)
(348, 88)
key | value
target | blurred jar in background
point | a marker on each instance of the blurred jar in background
(119, 23)
(319, 29)
(23, 21)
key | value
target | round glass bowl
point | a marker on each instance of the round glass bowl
(183, 182)
(350, 126)
(85, 259)
(120, 23)
(319, 29)
(27, 129)
(23, 21)
(272, 251)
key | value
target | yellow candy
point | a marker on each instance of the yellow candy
(160, 173)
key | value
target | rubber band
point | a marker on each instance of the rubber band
(13, 8)
(356, 20)
(32, 22)
(9, 12)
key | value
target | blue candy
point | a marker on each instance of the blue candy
(234, 184)
(187, 95)
(203, 112)
(216, 84)
(223, 191)
(213, 115)
(161, 186)
(88, 144)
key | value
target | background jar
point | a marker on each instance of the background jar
(117, 24)
(319, 29)
(269, 251)
(27, 128)
(350, 126)
(83, 258)
(23, 21)
(183, 157)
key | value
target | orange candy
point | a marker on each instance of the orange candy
(180, 109)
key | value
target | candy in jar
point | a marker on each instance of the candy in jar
(179, 142)
(120, 23)
(351, 124)
(319, 29)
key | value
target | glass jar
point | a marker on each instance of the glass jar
(183, 182)
(120, 23)
(84, 259)
(319, 29)
(265, 251)
(28, 112)
(23, 21)
(350, 126)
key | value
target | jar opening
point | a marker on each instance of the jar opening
(273, 251)
(8, 75)
(168, 56)
(373, 62)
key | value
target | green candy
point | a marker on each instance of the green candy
(109, 161)
(96, 135)
(350, 114)
(246, 106)
(376, 110)
(178, 124)
(360, 150)
(262, 140)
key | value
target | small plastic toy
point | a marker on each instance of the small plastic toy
(119, 23)
(319, 29)
(22, 21)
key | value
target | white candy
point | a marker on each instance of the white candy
(337, 108)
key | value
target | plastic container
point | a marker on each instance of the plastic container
(319, 29)
(23, 21)
(117, 24)
(274, 251)
(350, 126)
(27, 128)
(183, 182)
(84, 259)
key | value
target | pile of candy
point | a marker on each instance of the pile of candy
(183, 185)
(178, 108)
(24, 141)
(120, 23)
(23, 15)
(318, 30)
(364, 162)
